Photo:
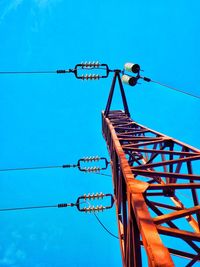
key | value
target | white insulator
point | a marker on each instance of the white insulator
(135, 68)
(89, 209)
(132, 81)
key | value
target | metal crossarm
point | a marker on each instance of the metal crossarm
(155, 180)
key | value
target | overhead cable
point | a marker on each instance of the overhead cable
(83, 164)
(83, 199)
(170, 87)
(133, 80)
(105, 228)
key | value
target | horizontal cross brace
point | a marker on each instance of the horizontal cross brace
(178, 233)
(157, 151)
(173, 186)
(167, 162)
(165, 174)
(176, 215)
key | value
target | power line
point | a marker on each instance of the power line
(29, 168)
(28, 72)
(104, 174)
(46, 71)
(38, 72)
(104, 227)
(48, 167)
(39, 168)
(80, 165)
(132, 80)
(100, 222)
(79, 202)
(62, 205)
(175, 89)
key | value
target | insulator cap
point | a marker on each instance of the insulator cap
(88, 159)
(135, 68)
(132, 81)
(90, 77)
(90, 64)
(94, 208)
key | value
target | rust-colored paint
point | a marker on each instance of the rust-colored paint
(146, 164)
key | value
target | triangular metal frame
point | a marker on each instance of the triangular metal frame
(110, 97)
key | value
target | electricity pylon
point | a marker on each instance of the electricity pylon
(155, 180)
(155, 187)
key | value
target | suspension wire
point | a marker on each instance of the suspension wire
(28, 72)
(175, 89)
(39, 168)
(49, 71)
(30, 208)
(100, 222)
(104, 174)
(61, 205)
(48, 167)
(170, 87)
(29, 168)
(104, 227)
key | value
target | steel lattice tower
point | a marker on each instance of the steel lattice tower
(152, 176)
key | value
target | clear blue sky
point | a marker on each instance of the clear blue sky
(55, 119)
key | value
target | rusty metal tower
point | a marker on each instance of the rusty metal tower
(155, 179)
(153, 176)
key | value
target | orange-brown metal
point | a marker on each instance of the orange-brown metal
(155, 186)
